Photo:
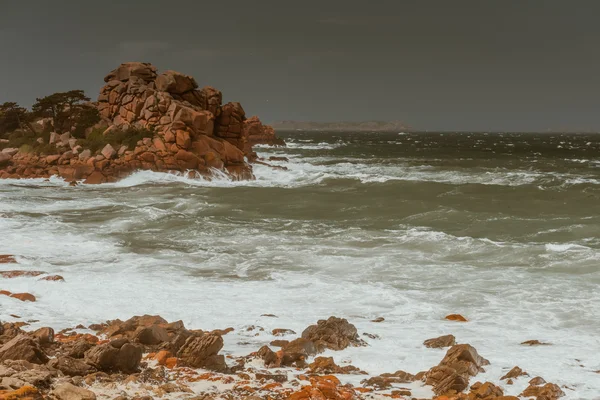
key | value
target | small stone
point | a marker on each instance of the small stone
(456, 317)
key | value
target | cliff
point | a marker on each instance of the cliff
(184, 128)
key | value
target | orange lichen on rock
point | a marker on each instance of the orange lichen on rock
(53, 278)
(19, 273)
(324, 387)
(20, 296)
(23, 393)
(7, 259)
(75, 337)
(456, 317)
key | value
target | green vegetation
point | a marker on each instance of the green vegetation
(12, 117)
(96, 141)
(70, 111)
(27, 142)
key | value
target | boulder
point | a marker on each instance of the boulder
(549, 391)
(5, 159)
(67, 391)
(71, 366)
(326, 366)
(175, 82)
(144, 71)
(106, 357)
(440, 342)
(333, 333)
(297, 351)
(514, 373)
(11, 151)
(452, 374)
(44, 335)
(151, 335)
(108, 152)
(23, 347)
(202, 352)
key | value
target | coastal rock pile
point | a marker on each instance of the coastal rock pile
(148, 357)
(189, 130)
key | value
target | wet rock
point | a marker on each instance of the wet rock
(282, 332)
(67, 391)
(19, 273)
(105, 357)
(202, 352)
(297, 351)
(333, 333)
(537, 381)
(268, 356)
(534, 343)
(128, 359)
(7, 259)
(152, 335)
(71, 366)
(44, 336)
(485, 390)
(440, 342)
(323, 387)
(102, 356)
(456, 317)
(23, 296)
(458, 365)
(326, 366)
(23, 347)
(385, 381)
(78, 348)
(379, 319)
(549, 391)
(446, 380)
(279, 343)
(464, 358)
(55, 278)
(272, 377)
(515, 372)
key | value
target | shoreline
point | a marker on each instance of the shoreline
(340, 338)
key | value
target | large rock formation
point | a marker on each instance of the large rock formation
(191, 131)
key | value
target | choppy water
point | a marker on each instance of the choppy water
(502, 228)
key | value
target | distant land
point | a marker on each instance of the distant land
(362, 126)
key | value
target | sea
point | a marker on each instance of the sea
(502, 228)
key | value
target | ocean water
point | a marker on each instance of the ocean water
(502, 228)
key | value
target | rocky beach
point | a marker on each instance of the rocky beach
(147, 357)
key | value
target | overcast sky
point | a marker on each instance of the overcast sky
(471, 65)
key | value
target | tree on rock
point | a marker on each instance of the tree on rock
(12, 117)
(70, 111)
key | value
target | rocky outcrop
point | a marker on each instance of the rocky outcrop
(188, 130)
(258, 133)
(22, 347)
(452, 374)
(202, 352)
(440, 342)
(333, 333)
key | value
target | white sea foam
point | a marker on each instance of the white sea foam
(109, 243)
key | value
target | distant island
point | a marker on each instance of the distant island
(362, 126)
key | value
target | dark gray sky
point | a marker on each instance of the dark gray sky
(482, 65)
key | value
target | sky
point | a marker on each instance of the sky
(517, 65)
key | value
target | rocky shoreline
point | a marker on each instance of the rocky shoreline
(181, 129)
(148, 357)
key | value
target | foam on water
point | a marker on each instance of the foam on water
(159, 244)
